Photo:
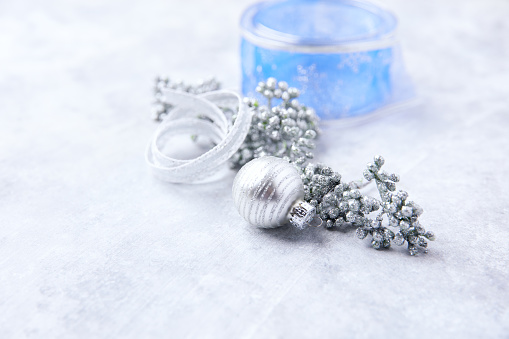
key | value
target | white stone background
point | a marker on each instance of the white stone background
(91, 246)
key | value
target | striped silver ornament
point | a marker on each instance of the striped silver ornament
(268, 192)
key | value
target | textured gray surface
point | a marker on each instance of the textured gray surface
(92, 246)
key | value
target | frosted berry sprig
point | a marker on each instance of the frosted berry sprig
(340, 204)
(381, 235)
(286, 130)
(401, 212)
(272, 89)
(337, 203)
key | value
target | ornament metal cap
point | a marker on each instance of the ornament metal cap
(303, 214)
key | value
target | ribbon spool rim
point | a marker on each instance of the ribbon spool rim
(377, 30)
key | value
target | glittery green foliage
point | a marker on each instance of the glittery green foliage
(286, 130)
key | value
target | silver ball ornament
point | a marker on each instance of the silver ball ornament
(268, 192)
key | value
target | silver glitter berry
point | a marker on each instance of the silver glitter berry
(285, 130)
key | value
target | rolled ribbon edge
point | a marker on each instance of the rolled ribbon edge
(205, 165)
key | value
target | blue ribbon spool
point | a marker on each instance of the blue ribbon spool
(341, 54)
